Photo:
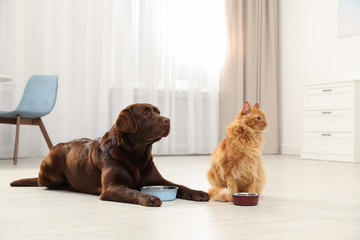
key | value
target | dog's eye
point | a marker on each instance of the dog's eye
(259, 118)
(146, 114)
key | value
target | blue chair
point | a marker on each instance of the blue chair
(37, 101)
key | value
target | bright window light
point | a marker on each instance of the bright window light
(198, 35)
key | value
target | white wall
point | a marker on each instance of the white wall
(310, 51)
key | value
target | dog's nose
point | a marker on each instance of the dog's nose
(165, 121)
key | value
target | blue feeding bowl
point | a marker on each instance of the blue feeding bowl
(165, 193)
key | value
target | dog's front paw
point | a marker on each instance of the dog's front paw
(150, 201)
(194, 195)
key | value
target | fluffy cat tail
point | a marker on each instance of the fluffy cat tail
(26, 182)
(220, 194)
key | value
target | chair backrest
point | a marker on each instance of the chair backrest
(39, 95)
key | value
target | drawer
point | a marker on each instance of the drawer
(329, 120)
(329, 157)
(341, 97)
(328, 143)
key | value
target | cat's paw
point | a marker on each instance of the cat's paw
(220, 194)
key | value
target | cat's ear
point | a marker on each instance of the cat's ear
(246, 108)
(256, 105)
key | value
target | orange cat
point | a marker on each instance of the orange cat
(236, 162)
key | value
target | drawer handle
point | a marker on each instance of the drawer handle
(326, 112)
(326, 134)
(326, 90)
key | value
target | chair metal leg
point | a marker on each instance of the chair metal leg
(44, 132)
(18, 120)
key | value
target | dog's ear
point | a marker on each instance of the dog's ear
(126, 121)
(246, 108)
(256, 105)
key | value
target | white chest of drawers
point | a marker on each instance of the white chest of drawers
(331, 121)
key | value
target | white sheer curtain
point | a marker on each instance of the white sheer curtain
(109, 54)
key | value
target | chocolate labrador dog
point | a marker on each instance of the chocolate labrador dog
(114, 166)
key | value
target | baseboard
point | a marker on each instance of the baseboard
(289, 150)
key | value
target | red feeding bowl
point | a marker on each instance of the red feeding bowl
(245, 199)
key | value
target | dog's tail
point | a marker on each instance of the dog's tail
(220, 194)
(26, 182)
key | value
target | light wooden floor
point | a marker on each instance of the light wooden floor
(302, 200)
